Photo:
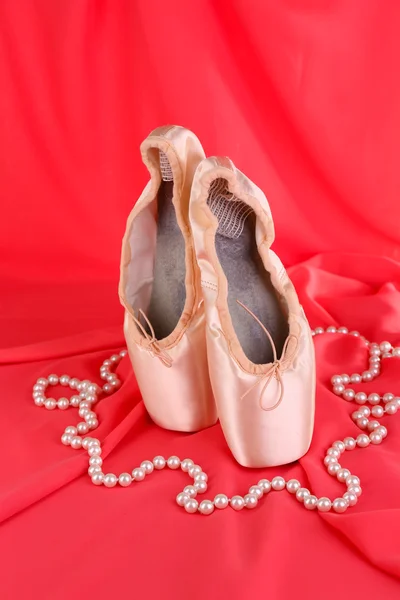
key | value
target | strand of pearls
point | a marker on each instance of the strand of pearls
(374, 433)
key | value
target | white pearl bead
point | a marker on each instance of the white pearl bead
(98, 478)
(356, 415)
(139, 474)
(350, 443)
(71, 430)
(191, 505)
(84, 412)
(330, 460)
(53, 379)
(256, 489)
(362, 422)
(336, 380)
(355, 489)
(107, 363)
(110, 480)
(159, 462)
(339, 389)
(310, 502)
(66, 439)
(94, 450)
(391, 408)
(38, 388)
(365, 411)
(302, 494)
(86, 442)
(200, 486)
(349, 395)
(388, 397)
(342, 475)
(339, 445)
(221, 501)
(319, 330)
(63, 403)
(206, 507)
(278, 483)
(42, 381)
(250, 500)
(339, 505)
(124, 479)
(76, 442)
(377, 411)
(94, 469)
(95, 461)
(375, 438)
(345, 378)
(91, 399)
(73, 383)
(90, 415)
(92, 423)
(201, 477)
(115, 358)
(381, 430)
(361, 397)
(237, 502)
(374, 398)
(355, 378)
(333, 469)
(293, 485)
(363, 440)
(64, 379)
(350, 498)
(50, 404)
(372, 425)
(190, 490)
(352, 480)
(385, 347)
(265, 485)
(82, 428)
(331, 329)
(39, 400)
(186, 464)
(333, 452)
(194, 470)
(173, 462)
(74, 401)
(107, 388)
(182, 498)
(324, 504)
(343, 330)
(92, 389)
(355, 333)
(147, 466)
(123, 353)
(396, 351)
(367, 376)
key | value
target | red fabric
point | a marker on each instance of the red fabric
(303, 96)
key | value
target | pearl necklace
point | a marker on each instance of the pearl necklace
(87, 397)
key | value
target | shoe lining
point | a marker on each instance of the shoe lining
(248, 280)
(168, 292)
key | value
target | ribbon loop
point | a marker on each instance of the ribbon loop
(276, 368)
(152, 345)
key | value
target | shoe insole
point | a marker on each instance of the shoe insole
(249, 282)
(169, 291)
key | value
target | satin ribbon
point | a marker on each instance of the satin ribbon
(152, 345)
(276, 367)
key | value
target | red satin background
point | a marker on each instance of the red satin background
(304, 96)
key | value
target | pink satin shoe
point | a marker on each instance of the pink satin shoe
(160, 289)
(259, 344)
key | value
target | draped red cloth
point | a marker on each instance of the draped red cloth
(304, 96)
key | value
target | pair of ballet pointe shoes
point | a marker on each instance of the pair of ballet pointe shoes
(213, 324)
